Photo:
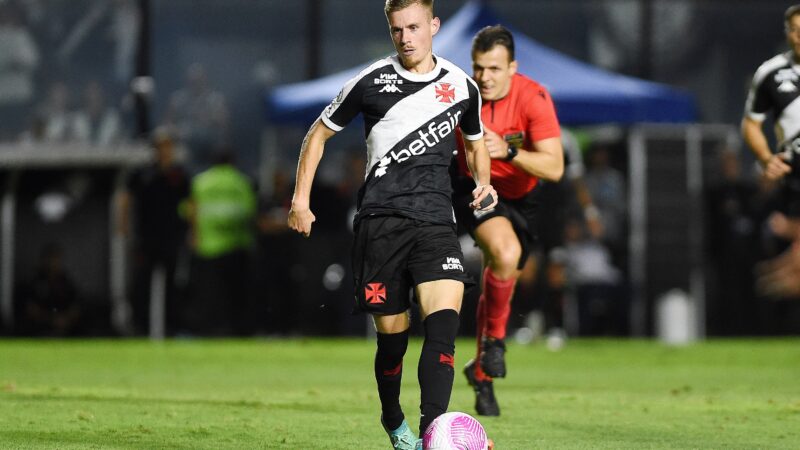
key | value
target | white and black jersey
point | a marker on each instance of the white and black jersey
(776, 91)
(409, 124)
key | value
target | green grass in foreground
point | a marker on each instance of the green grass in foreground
(320, 394)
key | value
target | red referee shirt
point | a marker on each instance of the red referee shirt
(522, 117)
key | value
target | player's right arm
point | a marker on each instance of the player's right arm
(753, 133)
(300, 215)
(759, 103)
(333, 119)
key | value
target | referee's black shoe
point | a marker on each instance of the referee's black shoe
(485, 402)
(493, 357)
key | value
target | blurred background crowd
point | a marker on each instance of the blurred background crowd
(129, 126)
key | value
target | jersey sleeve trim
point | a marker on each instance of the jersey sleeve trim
(329, 123)
(472, 129)
(347, 104)
(473, 137)
(758, 117)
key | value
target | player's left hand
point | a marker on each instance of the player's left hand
(479, 194)
(495, 144)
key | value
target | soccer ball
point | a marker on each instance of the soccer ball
(455, 431)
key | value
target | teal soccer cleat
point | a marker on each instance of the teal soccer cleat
(403, 438)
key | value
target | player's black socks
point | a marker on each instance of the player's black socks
(436, 362)
(388, 374)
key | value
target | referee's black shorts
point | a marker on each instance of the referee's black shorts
(521, 212)
(392, 254)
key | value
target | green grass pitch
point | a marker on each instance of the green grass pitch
(319, 394)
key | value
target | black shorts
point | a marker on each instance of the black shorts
(790, 195)
(521, 212)
(392, 254)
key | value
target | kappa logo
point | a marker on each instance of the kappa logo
(375, 293)
(445, 92)
(787, 79)
(452, 264)
(392, 88)
(390, 80)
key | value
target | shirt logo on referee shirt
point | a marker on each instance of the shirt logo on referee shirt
(375, 293)
(445, 92)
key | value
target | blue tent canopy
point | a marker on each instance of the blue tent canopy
(583, 94)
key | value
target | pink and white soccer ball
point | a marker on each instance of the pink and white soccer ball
(455, 431)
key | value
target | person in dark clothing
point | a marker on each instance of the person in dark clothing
(50, 303)
(153, 197)
(732, 233)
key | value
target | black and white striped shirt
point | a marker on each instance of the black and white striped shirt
(776, 90)
(409, 125)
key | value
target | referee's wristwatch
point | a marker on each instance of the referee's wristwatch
(512, 152)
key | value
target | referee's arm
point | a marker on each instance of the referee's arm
(300, 215)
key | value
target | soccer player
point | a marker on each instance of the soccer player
(774, 91)
(522, 135)
(405, 234)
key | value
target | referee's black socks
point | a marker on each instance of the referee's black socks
(388, 374)
(436, 363)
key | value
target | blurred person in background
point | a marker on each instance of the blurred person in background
(594, 281)
(606, 187)
(524, 142)
(276, 248)
(96, 122)
(19, 59)
(222, 212)
(50, 303)
(733, 227)
(405, 232)
(568, 196)
(199, 115)
(775, 92)
(56, 115)
(151, 203)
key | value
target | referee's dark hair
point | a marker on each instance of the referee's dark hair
(790, 12)
(493, 35)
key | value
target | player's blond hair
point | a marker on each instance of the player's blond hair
(396, 5)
